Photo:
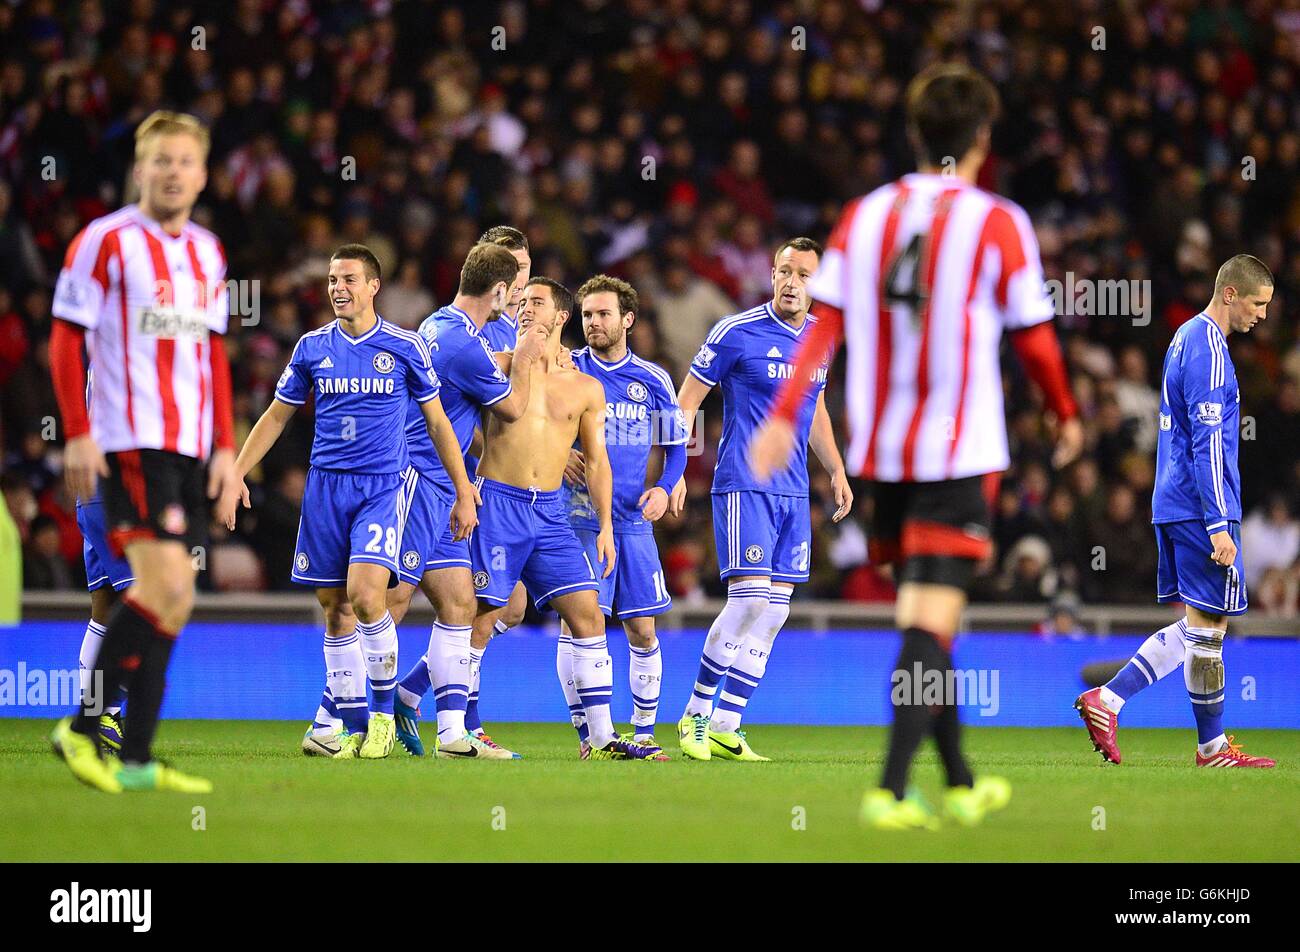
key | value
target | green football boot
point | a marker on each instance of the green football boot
(158, 776)
(693, 736)
(731, 745)
(881, 810)
(970, 805)
(381, 736)
(81, 754)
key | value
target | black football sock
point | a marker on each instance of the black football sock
(920, 654)
(147, 689)
(947, 737)
(126, 642)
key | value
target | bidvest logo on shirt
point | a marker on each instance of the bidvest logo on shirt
(169, 323)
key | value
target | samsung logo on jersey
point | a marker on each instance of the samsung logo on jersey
(626, 411)
(171, 324)
(326, 385)
(777, 371)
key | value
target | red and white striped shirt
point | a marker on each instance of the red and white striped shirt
(928, 271)
(149, 302)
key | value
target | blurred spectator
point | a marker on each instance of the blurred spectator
(43, 564)
(1062, 619)
(1027, 572)
(1270, 539)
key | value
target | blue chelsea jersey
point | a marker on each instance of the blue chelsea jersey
(501, 333)
(362, 386)
(470, 378)
(751, 355)
(641, 412)
(1200, 409)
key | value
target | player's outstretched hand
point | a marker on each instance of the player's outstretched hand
(843, 495)
(677, 498)
(464, 514)
(605, 551)
(564, 358)
(575, 470)
(1069, 443)
(83, 463)
(1225, 550)
(653, 503)
(771, 449)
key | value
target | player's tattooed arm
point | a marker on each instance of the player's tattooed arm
(822, 440)
(258, 443)
(464, 512)
(600, 476)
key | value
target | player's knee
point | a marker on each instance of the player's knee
(169, 596)
(515, 609)
(367, 604)
(398, 601)
(456, 608)
(640, 638)
(102, 601)
(586, 622)
(513, 616)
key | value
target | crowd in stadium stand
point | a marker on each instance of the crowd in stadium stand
(675, 143)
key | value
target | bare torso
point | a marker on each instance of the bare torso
(531, 452)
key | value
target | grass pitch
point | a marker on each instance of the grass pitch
(272, 803)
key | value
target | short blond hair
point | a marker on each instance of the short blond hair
(165, 123)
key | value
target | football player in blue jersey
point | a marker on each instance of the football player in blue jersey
(525, 534)
(363, 372)
(472, 382)
(641, 412)
(762, 530)
(1196, 510)
(501, 331)
(501, 335)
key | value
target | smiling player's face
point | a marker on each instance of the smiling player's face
(1247, 310)
(350, 293)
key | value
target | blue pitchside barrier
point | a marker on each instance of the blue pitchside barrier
(224, 670)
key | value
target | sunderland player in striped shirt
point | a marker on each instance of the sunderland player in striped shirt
(761, 528)
(1196, 509)
(363, 372)
(921, 278)
(641, 412)
(142, 290)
